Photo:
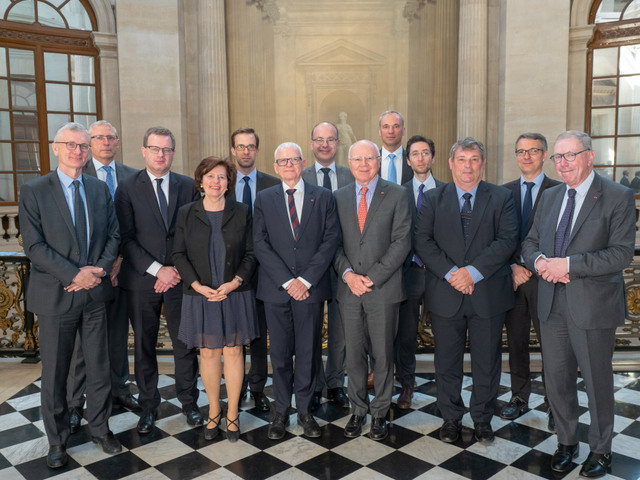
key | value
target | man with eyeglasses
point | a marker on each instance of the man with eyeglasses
(295, 232)
(375, 219)
(104, 146)
(245, 145)
(582, 237)
(394, 167)
(70, 234)
(421, 154)
(531, 150)
(325, 144)
(146, 204)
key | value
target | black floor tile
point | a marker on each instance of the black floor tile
(538, 463)
(330, 412)
(628, 410)
(4, 463)
(38, 469)
(518, 433)
(329, 465)
(259, 439)
(400, 436)
(188, 466)
(6, 408)
(633, 430)
(257, 467)
(400, 466)
(132, 439)
(332, 437)
(117, 466)
(473, 466)
(32, 414)
(28, 390)
(625, 467)
(19, 434)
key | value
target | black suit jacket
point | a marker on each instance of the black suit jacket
(493, 238)
(264, 180)
(50, 242)
(191, 245)
(144, 236)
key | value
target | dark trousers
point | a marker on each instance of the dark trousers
(485, 337)
(118, 338)
(294, 328)
(518, 322)
(144, 310)
(258, 372)
(86, 319)
(404, 347)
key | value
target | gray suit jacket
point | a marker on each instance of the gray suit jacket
(122, 171)
(380, 250)
(601, 245)
(345, 176)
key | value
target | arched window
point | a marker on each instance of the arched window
(48, 76)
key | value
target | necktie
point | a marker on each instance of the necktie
(418, 205)
(295, 225)
(81, 223)
(564, 227)
(326, 181)
(526, 209)
(109, 180)
(465, 215)
(362, 208)
(392, 175)
(162, 201)
(246, 193)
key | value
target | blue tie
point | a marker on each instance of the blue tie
(81, 223)
(246, 193)
(162, 201)
(109, 180)
(392, 175)
(564, 227)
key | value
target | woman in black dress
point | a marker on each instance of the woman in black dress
(213, 251)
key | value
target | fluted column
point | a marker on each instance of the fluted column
(472, 69)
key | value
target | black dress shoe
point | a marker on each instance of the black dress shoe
(211, 433)
(75, 418)
(353, 428)
(379, 429)
(596, 465)
(483, 432)
(514, 409)
(148, 418)
(338, 397)
(277, 427)
(194, 417)
(261, 401)
(450, 431)
(57, 456)
(309, 425)
(562, 459)
(316, 399)
(108, 442)
(127, 401)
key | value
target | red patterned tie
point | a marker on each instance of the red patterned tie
(362, 208)
(293, 213)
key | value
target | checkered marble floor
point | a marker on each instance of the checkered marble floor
(174, 450)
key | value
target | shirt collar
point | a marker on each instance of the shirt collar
(153, 177)
(299, 187)
(98, 165)
(462, 192)
(584, 187)
(331, 167)
(371, 186)
(397, 153)
(537, 181)
(253, 175)
(66, 180)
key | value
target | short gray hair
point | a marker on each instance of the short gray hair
(583, 138)
(468, 143)
(72, 127)
(534, 136)
(102, 123)
(287, 145)
(389, 112)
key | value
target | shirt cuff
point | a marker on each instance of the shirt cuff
(448, 275)
(153, 268)
(475, 274)
(345, 272)
(306, 284)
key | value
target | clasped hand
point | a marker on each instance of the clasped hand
(555, 270)
(462, 281)
(87, 278)
(358, 284)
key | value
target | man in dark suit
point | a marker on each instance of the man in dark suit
(394, 167)
(245, 145)
(466, 233)
(146, 204)
(325, 144)
(104, 146)
(70, 235)
(625, 179)
(421, 153)
(376, 237)
(531, 150)
(295, 232)
(582, 237)
(635, 183)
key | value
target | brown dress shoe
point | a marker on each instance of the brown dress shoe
(370, 380)
(404, 399)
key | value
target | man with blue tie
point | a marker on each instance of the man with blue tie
(394, 167)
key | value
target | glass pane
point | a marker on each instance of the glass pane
(82, 70)
(23, 12)
(4, 94)
(24, 178)
(58, 97)
(76, 15)
(54, 122)
(23, 95)
(56, 3)
(609, 10)
(627, 152)
(3, 60)
(605, 62)
(25, 126)
(84, 99)
(629, 90)
(5, 157)
(27, 157)
(603, 121)
(5, 126)
(628, 120)
(85, 120)
(632, 11)
(606, 172)
(50, 17)
(6, 188)
(629, 59)
(56, 67)
(53, 160)
(4, 4)
(603, 92)
(21, 64)
(605, 151)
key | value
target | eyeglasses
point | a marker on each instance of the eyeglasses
(416, 155)
(108, 138)
(319, 141)
(71, 146)
(569, 156)
(367, 159)
(293, 161)
(532, 151)
(157, 150)
(250, 148)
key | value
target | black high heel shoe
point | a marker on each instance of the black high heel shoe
(233, 435)
(211, 433)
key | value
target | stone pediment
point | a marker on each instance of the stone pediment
(341, 52)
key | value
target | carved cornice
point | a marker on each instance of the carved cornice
(6, 34)
(269, 8)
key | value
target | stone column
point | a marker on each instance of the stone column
(472, 69)
(579, 38)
